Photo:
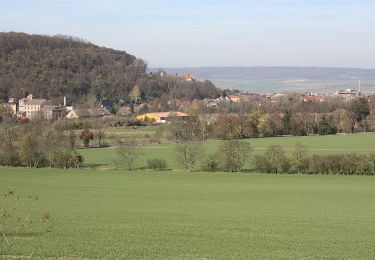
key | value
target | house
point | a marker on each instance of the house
(347, 94)
(188, 77)
(208, 102)
(88, 113)
(161, 117)
(128, 110)
(30, 106)
(313, 98)
(223, 99)
(124, 111)
(53, 111)
(234, 98)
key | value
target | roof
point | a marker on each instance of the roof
(92, 112)
(187, 76)
(169, 114)
(314, 98)
(49, 107)
(125, 110)
(34, 101)
(234, 98)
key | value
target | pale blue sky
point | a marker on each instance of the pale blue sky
(177, 33)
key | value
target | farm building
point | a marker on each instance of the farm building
(31, 106)
(88, 113)
(160, 117)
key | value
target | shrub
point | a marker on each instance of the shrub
(346, 164)
(211, 164)
(157, 164)
(277, 160)
(285, 165)
(262, 164)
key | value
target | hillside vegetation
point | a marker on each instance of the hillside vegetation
(51, 67)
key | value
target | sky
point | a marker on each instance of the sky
(195, 33)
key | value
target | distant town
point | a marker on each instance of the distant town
(31, 107)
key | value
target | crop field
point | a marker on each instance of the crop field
(148, 215)
(103, 213)
(103, 158)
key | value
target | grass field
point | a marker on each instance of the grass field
(180, 216)
(103, 158)
(99, 213)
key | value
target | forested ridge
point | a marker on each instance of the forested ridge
(50, 67)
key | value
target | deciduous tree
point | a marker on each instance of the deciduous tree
(127, 153)
(234, 154)
(86, 136)
(189, 153)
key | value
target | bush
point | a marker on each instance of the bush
(262, 164)
(211, 164)
(157, 164)
(346, 164)
(285, 165)
(277, 160)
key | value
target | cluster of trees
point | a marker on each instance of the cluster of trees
(36, 147)
(257, 124)
(231, 156)
(95, 123)
(275, 122)
(52, 67)
(344, 164)
(275, 160)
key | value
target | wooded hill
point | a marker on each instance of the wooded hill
(52, 67)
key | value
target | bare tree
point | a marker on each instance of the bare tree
(127, 153)
(188, 154)
(300, 160)
(100, 135)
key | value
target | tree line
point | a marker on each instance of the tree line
(262, 121)
(40, 146)
(234, 155)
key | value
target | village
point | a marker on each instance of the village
(158, 111)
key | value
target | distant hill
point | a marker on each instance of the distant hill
(52, 67)
(283, 78)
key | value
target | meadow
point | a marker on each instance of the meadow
(148, 215)
(364, 143)
(102, 213)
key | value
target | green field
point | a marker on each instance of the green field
(102, 213)
(103, 158)
(182, 216)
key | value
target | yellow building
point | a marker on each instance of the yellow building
(160, 117)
